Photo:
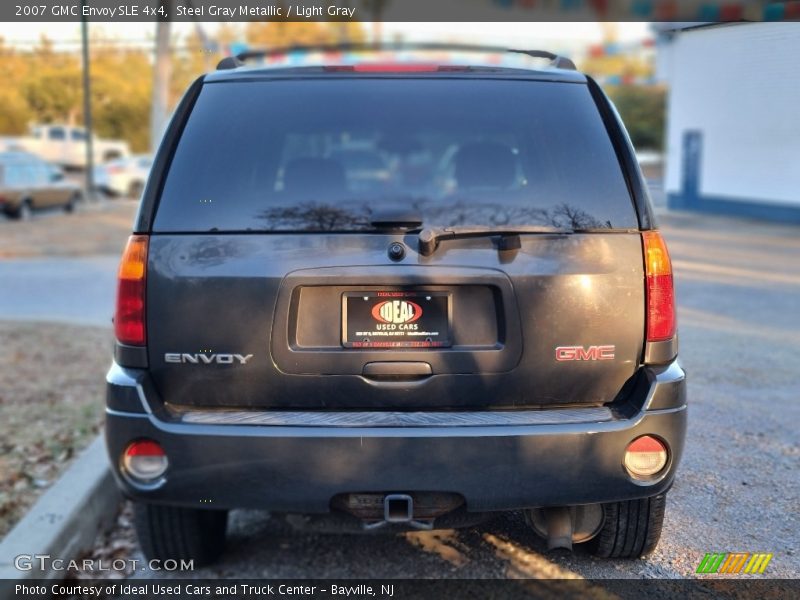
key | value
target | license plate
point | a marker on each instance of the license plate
(396, 319)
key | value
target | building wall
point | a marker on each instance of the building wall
(733, 133)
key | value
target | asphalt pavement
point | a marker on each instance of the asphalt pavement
(62, 267)
(77, 290)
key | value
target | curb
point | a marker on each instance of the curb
(65, 520)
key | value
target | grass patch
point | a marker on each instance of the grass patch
(51, 406)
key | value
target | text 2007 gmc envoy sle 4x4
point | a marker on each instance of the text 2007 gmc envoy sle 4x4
(405, 295)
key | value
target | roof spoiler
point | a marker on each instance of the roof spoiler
(232, 62)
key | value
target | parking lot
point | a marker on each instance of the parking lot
(738, 287)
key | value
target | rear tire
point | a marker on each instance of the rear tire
(170, 532)
(23, 212)
(630, 529)
(69, 207)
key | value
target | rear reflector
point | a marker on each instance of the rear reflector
(144, 461)
(660, 292)
(129, 323)
(645, 456)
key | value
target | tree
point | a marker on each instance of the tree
(43, 85)
(52, 88)
(15, 114)
(121, 96)
(191, 56)
(14, 110)
(643, 110)
(161, 75)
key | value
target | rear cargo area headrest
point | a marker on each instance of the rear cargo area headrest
(485, 164)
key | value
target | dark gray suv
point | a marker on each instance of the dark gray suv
(403, 294)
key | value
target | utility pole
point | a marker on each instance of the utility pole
(161, 75)
(376, 8)
(87, 107)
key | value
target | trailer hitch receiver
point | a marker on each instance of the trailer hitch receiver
(399, 508)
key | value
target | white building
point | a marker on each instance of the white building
(733, 120)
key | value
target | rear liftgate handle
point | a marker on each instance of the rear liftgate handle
(396, 370)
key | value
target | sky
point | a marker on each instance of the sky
(554, 36)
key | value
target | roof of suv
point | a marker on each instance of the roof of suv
(444, 70)
(397, 60)
(18, 156)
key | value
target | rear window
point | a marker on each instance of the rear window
(324, 155)
(15, 174)
(57, 133)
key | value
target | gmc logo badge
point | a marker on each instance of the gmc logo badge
(580, 353)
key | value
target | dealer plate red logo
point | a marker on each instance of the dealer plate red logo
(396, 311)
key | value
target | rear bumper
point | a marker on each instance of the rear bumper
(296, 468)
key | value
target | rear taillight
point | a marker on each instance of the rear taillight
(129, 325)
(394, 68)
(660, 292)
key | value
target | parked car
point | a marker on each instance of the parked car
(123, 176)
(28, 183)
(499, 336)
(65, 145)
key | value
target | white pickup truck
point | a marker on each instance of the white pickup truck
(65, 145)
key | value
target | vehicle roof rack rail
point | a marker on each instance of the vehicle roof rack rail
(232, 62)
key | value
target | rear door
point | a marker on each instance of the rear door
(29, 184)
(268, 285)
(12, 185)
(46, 192)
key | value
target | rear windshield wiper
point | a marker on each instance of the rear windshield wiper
(430, 237)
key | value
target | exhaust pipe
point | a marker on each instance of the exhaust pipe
(563, 526)
(558, 521)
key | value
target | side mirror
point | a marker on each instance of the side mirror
(56, 176)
